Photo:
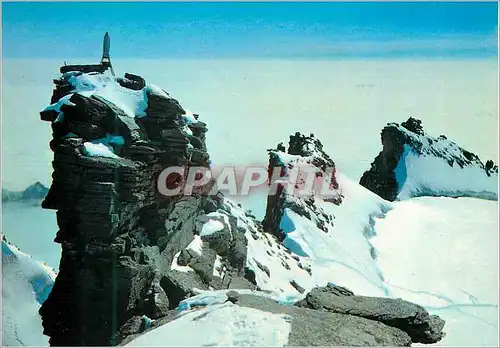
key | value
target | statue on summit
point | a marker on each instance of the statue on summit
(104, 65)
(106, 60)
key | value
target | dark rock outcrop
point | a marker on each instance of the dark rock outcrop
(305, 151)
(123, 241)
(86, 68)
(406, 316)
(322, 328)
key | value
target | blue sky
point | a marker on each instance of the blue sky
(250, 30)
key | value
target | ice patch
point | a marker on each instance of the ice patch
(217, 271)
(147, 321)
(400, 170)
(63, 101)
(153, 89)
(196, 245)
(98, 150)
(211, 297)
(189, 118)
(71, 135)
(210, 227)
(215, 221)
(103, 147)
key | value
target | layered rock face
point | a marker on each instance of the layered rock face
(403, 315)
(413, 163)
(111, 139)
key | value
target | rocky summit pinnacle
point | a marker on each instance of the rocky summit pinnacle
(111, 138)
(302, 151)
(134, 260)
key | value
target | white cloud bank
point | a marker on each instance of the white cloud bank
(252, 105)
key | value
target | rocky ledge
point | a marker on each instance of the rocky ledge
(397, 313)
(328, 316)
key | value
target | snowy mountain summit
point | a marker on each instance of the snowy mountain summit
(145, 269)
(413, 163)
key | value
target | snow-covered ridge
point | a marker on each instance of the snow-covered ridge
(310, 255)
(331, 236)
(413, 163)
(26, 284)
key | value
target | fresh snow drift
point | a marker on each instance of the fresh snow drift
(426, 175)
(440, 254)
(132, 102)
(310, 257)
(343, 254)
(98, 150)
(26, 284)
(391, 249)
(103, 147)
(220, 325)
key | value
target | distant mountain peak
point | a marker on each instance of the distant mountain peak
(34, 191)
(413, 163)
